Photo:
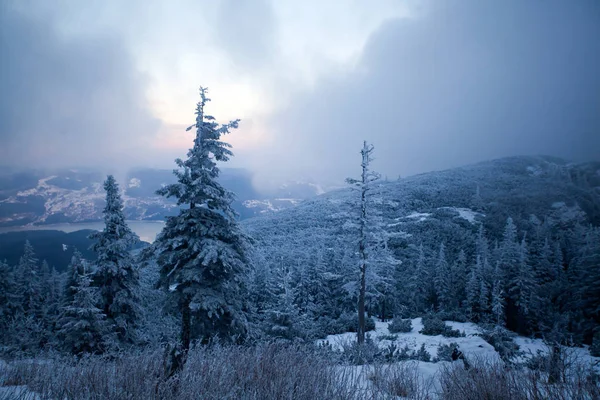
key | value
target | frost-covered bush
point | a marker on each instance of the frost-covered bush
(400, 325)
(348, 322)
(433, 325)
(359, 354)
(422, 354)
(391, 338)
(453, 333)
(404, 354)
(444, 352)
(452, 316)
(502, 341)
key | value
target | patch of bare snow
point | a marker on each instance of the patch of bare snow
(472, 345)
(465, 213)
(418, 216)
(530, 347)
(535, 170)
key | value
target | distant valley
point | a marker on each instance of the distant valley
(42, 197)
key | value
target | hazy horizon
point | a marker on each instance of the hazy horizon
(432, 85)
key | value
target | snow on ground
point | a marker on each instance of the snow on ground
(531, 347)
(418, 216)
(472, 345)
(535, 170)
(465, 213)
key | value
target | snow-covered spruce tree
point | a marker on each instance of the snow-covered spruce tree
(28, 281)
(75, 268)
(50, 285)
(418, 283)
(498, 303)
(473, 289)
(201, 252)
(458, 280)
(9, 301)
(81, 325)
(116, 275)
(509, 258)
(442, 280)
(284, 318)
(364, 185)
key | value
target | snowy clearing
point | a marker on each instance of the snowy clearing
(465, 213)
(418, 216)
(472, 345)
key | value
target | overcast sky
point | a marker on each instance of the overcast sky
(432, 84)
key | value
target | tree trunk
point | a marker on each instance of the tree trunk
(363, 248)
(361, 305)
(186, 325)
(554, 372)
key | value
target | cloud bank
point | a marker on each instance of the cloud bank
(462, 81)
(68, 100)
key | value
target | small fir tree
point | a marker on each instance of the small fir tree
(116, 275)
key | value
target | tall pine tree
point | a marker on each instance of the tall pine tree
(202, 253)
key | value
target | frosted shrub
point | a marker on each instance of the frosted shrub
(502, 341)
(348, 322)
(400, 325)
(444, 352)
(432, 326)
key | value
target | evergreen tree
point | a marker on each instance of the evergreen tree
(522, 287)
(116, 275)
(498, 303)
(458, 280)
(473, 288)
(28, 281)
(9, 300)
(284, 318)
(81, 325)
(50, 301)
(477, 203)
(482, 247)
(202, 253)
(75, 268)
(510, 253)
(484, 297)
(443, 281)
(420, 282)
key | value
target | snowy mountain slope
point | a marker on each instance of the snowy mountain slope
(448, 206)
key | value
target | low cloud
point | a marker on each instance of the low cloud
(68, 101)
(458, 83)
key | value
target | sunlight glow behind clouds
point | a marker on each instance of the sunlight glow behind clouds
(444, 83)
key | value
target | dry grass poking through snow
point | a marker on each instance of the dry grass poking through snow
(492, 380)
(274, 371)
(219, 372)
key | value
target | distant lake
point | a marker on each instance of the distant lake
(146, 230)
